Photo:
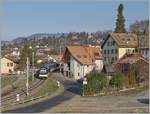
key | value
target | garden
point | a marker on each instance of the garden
(101, 84)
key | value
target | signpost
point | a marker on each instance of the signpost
(84, 83)
(58, 84)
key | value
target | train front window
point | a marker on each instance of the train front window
(43, 72)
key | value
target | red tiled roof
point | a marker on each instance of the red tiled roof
(131, 58)
(123, 39)
(83, 54)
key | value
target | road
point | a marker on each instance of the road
(72, 101)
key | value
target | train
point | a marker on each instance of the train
(46, 68)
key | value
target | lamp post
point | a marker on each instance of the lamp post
(32, 63)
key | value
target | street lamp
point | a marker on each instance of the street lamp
(32, 63)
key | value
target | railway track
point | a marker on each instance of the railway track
(13, 96)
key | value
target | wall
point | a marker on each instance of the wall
(145, 53)
(4, 68)
(78, 70)
(122, 51)
(99, 65)
(108, 57)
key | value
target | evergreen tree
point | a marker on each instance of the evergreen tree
(120, 26)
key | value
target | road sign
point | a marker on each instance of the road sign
(58, 83)
(84, 82)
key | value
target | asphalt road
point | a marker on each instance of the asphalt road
(72, 101)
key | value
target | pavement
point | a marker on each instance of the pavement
(72, 101)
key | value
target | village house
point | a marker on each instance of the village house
(143, 47)
(78, 61)
(8, 66)
(117, 44)
(134, 61)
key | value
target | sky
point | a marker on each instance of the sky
(26, 17)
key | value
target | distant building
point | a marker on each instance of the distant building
(117, 44)
(143, 46)
(78, 61)
(15, 52)
(8, 66)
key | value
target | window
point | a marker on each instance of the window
(78, 74)
(112, 59)
(96, 54)
(107, 43)
(128, 51)
(104, 51)
(146, 53)
(112, 51)
(107, 51)
(133, 51)
(113, 43)
(84, 56)
(11, 64)
(8, 64)
(115, 58)
(116, 51)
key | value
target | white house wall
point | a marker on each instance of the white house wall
(99, 65)
(78, 70)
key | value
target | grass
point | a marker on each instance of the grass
(49, 87)
(7, 81)
(135, 91)
(31, 80)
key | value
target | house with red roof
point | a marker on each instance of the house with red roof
(78, 61)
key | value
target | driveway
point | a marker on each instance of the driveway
(72, 101)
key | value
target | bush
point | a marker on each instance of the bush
(95, 83)
(117, 80)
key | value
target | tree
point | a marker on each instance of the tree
(117, 80)
(120, 26)
(25, 52)
(95, 83)
(140, 27)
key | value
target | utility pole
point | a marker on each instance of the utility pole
(60, 55)
(27, 83)
(32, 66)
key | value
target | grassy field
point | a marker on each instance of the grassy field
(49, 87)
(7, 81)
